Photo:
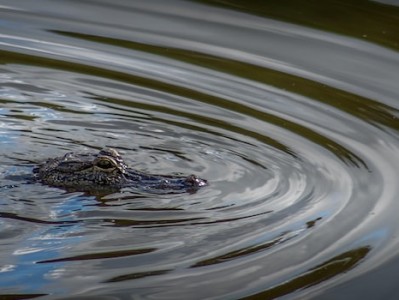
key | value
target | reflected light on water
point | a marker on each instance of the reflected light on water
(292, 120)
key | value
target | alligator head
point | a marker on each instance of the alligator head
(106, 169)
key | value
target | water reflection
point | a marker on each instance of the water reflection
(291, 117)
(44, 242)
(359, 19)
(335, 266)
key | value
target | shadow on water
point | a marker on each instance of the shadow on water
(102, 255)
(335, 266)
(134, 276)
(363, 19)
(13, 216)
(21, 296)
(240, 253)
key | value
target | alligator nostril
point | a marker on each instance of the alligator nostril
(196, 181)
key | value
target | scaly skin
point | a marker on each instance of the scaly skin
(107, 169)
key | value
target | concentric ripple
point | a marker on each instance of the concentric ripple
(301, 155)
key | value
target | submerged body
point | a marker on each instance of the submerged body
(107, 169)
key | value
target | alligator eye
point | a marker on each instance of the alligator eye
(105, 164)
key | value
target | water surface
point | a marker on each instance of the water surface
(292, 118)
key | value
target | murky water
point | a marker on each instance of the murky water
(291, 114)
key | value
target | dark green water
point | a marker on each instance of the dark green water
(288, 108)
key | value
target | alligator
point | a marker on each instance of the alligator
(107, 170)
